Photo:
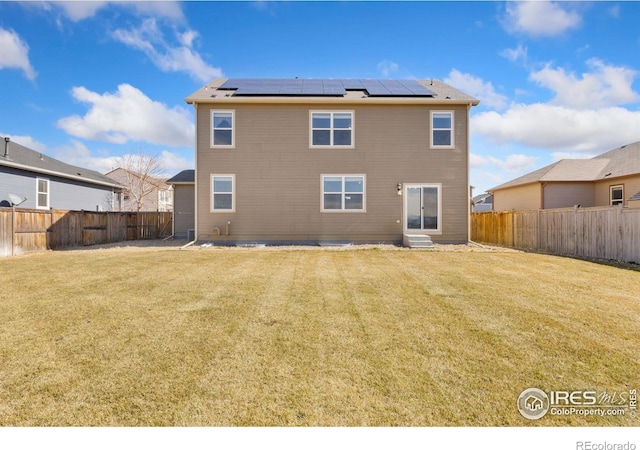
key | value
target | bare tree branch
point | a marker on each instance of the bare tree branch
(142, 176)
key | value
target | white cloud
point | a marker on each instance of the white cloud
(539, 18)
(557, 156)
(25, 141)
(387, 67)
(477, 160)
(557, 127)
(604, 86)
(516, 163)
(516, 54)
(78, 154)
(149, 39)
(14, 53)
(81, 10)
(478, 88)
(127, 115)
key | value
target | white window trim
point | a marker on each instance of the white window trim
(38, 206)
(611, 188)
(331, 129)
(406, 187)
(452, 129)
(233, 128)
(344, 176)
(233, 193)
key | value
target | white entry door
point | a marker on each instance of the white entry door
(422, 207)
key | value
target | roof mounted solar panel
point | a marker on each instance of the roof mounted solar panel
(324, 87)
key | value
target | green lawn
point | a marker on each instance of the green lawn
(357, 337)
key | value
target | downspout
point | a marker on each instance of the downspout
(195, 176)
(468, 174)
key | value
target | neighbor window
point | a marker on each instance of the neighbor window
(222, 193)
(331, 129)
(343, 193)
(616, 194)
(441, 129)
(42, 197)
(222, 130)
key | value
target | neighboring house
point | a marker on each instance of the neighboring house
(47, 183)
(142, 193)
(333, 160)
(612, 178)
(482, 202)
(183, 204)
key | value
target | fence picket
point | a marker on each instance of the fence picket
(609, 232)
(32, 230)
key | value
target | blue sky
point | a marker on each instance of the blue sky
(87, 82)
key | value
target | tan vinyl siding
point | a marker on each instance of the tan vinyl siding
(563, 195)
(631, 186)
(278, 175)
(520, 198)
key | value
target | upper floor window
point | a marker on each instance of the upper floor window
(616, 195)
(222, 193)
(442, 129)
(42, 198)
(343, 193)
(222, 129)
(331, 129)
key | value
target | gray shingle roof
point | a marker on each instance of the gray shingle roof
(619, 162)
(443, 93)
(186, 176)
(24, 158)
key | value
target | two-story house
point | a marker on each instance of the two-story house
(331, 160)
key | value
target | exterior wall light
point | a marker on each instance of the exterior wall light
(399, 186)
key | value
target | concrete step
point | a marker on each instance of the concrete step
(417, 241)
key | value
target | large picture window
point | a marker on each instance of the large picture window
(223, 193)
(343, 193)
(222, 129)
(331, 129)
(442, 129)
(42, 198)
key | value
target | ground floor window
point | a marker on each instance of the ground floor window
(343, 193)
(616, 195)
(222, 193)
(42, 197)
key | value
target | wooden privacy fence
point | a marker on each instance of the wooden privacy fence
(31, 230)
(610, 232)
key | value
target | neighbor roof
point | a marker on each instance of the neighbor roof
(24, 158)
(184, 177)
(619, 162)
(328, 90)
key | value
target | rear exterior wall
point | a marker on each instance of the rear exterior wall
(278, 176)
